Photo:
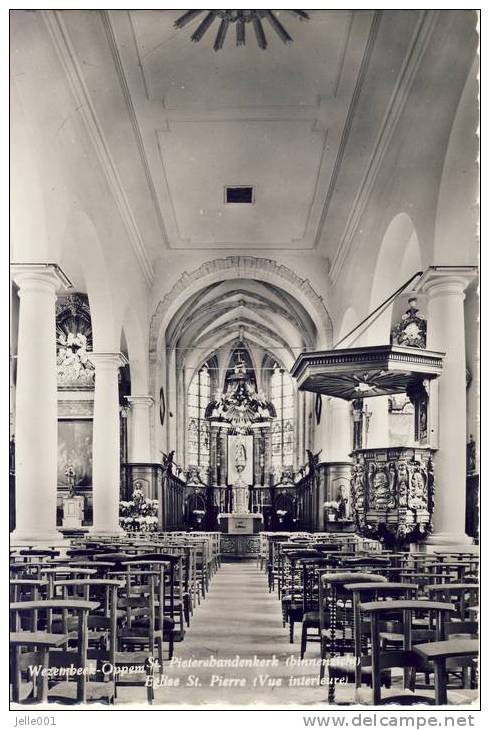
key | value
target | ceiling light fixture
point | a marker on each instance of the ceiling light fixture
(240, 18)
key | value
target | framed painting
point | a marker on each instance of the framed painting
(75, 451)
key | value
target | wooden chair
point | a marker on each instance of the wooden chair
(290, 585)
(369, 592)
(59, 572)
(102, 623)
(57, 658)
(335, 604)
(438, 652)
(312, 567)
(37, 645)
(404, 658)
(463, 595)
(146, 626)
(171, 619)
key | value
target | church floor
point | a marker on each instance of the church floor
(238, 617)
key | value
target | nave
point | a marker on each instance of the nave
(244, 355)
(239, 617)
(316, 619)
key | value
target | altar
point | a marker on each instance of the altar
(240, 523)
(239, 535)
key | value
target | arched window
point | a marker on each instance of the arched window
(198, 397)
(282, 397)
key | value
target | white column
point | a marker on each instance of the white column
(320, 432)
(139, 449)
(340, 431)
(378, 436)
(106, 462)
(445, 287)
(36, 418)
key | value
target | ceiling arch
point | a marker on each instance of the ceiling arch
(246, 269)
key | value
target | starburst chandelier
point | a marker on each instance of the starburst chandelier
(239, 18)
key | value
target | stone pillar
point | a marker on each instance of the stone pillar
(36, 416)
(267, 454)
(139, 448)
(340, 431)
(257, 450)
(445, 287)
(106, 473)
(213, 453)
(378, 435)
(223, 456)
(320, 434)
(339, 450)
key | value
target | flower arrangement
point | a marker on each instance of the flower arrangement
(332, 509)
(139, 514)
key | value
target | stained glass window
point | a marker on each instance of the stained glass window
(282, 437)
(198, 397)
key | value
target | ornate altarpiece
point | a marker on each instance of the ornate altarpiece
(76, 382)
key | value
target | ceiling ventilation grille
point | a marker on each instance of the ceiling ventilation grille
(239, 194)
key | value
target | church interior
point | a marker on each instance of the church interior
(244, 443)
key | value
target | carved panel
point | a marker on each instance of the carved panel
(411, 330)
(392, 493)
(240, 545)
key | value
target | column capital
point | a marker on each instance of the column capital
(140, 401)
(40, 275)
(108, 360)
(446, 280)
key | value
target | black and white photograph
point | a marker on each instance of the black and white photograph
(244, 447)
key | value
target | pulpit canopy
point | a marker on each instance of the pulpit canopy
(363, 372)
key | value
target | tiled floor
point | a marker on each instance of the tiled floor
(239, 617)
(241, 620)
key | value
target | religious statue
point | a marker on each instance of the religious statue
(371, 474)
(403, 478)
(342, 502)
(418, 492)
(313, 461)
(73, 504)
(382, 496)
(240, 488)
(168, 461)
(240, 456)
(70, 478)
(357, 417)
(358, 483)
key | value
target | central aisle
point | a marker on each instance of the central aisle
(239, 617)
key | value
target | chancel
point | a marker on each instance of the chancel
(244, 447)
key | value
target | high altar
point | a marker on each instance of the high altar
(242, 415)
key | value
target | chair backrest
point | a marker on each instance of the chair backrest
(405, 657)
(457, 629)
(463, 595)
(330, 583)
(62, 658)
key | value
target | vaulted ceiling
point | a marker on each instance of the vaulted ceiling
(266, 316)
(300, 123)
